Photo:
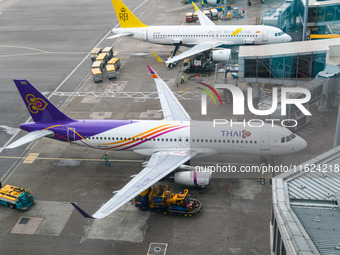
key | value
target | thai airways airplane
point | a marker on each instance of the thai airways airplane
(170, 142)
(201, 38)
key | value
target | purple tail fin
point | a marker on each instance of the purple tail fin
(40, 108)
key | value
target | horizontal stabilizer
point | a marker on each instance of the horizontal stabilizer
(85, 214)
(119, 35)
(30, 137)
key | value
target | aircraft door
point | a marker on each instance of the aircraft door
(264, 35)
(71, 134)
(145, 35)
(265, 141)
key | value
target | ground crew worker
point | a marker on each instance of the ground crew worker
(182, 80)
(107, 160)
(244, 10)
(202, 3)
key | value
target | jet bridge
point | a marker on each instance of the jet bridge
(323, 89)
(280, 17)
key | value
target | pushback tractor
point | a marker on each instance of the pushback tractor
(162, 199)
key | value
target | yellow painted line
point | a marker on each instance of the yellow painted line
(30, 158)
(182, 90)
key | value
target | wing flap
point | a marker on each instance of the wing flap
(194, 50)
(30, 137)
(160, 165)
(171, 107)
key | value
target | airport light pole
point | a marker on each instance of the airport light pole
(305, 19)
(225, 8)
(337, 132)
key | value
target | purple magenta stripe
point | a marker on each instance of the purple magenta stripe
(195, 177)
(165, 132)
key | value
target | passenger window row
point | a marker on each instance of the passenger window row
(206, 35)
(222, 141)
(135, 139)
(169, 140)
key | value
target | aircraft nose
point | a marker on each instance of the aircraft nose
(301, 144)
(287, 38)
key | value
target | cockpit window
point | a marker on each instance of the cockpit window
(279, 34)
(288, 138)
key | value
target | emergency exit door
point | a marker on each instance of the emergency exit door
(264, 35)
(145, 35)
(265, 141)
(71, 134)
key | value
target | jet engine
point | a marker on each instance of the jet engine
(190, 177)
(221, 55)
(213, 2)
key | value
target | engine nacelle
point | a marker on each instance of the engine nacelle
(192, 178)
(221, 55)
(213, 2)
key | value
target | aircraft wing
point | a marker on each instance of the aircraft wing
(160, 165)
(195, 50)
(119, 35)
(204, 20)
(171, 107)
(30, 137)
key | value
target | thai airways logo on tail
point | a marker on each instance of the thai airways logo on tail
(35, 104)
(40, 108)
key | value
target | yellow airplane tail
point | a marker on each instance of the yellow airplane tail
(126, 17)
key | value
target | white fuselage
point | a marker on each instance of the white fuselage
(146, 137)
(192, 35)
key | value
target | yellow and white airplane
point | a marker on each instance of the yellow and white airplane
(201, 38)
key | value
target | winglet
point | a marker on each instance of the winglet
(157, 57)
(154, 75)
(171, 107)
(85, 214)
(195, 6)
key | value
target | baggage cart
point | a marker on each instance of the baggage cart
(94, 53)
(97, 75)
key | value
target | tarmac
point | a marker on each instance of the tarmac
(48, 42)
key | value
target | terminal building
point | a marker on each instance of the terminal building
(321, 13)
(309, 64)
(291, 63)
(306, 214)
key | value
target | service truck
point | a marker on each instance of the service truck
(15, 197)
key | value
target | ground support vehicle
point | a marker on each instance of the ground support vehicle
(15, 197)
(164, 200)
(197, 65)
